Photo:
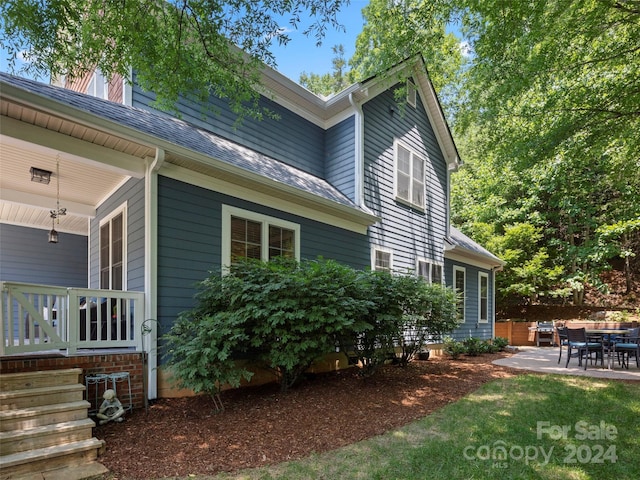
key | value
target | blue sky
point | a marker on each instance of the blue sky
(301, 54)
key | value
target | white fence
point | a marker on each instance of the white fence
(38, 318)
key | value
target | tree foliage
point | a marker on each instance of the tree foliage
(545, 110)
(188, 48)
(328, 83)
(550, 89)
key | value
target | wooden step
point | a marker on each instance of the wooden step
(45, 436)
(43, 415)
(49, 458)
(35, 397)
(23, 381)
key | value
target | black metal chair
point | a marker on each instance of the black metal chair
(628, 347)
(583, 347)
(562, 340)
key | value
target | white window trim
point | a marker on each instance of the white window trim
(413, 153)
(265, 220)
(377, 248)
(412, 93)
(482, 275)
(125, 270)
(430, 264)
(456, 270)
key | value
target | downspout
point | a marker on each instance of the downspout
(359, 153)
(150, 335)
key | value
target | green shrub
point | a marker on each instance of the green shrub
(474, 346)
(284, 315)
(453, 348)
(429, 311)
(500, 343)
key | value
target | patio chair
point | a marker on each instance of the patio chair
(627, 347)
(577, 340)
(562, 340)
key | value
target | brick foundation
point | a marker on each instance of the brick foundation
(90, 365)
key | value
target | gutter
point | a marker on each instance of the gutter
(359, 153)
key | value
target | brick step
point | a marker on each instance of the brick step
(35, 397)
(43, 415)
(23, 381)
(45, 436)
(42, 460)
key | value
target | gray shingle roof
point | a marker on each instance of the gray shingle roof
(458, 239)
(186, 135)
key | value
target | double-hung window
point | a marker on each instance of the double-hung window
(459, 285)
(98, 85)
(113, 251)
(483, 297)
(430, 271)
(410, 176)
(247, 234)
(381, 259)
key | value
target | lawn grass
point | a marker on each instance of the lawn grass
(462, 440)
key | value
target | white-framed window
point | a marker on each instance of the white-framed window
(483, 297)
(247, 234)
(98, 85)
(459, 284)
(412, 93)
(113, 250)
(429, 270)
(409, 176)
(381, 259)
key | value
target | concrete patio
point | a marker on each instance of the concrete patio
(545, 360)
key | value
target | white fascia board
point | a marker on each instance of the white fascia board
(476, 260)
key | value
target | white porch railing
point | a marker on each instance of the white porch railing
(37, 318)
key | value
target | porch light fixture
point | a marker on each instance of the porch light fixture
(39, 175)
(58, 212)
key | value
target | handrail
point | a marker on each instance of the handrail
(37, 318)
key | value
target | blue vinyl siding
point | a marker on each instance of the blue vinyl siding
(406, 231)
(27, 256)
(471, 327)
(190, 236)
(340, 157)
(288, 138)
(131, 193)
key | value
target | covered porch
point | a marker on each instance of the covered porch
(87, 291)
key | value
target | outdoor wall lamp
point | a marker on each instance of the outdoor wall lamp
(39, 175)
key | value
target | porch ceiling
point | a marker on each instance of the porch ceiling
(92, 164)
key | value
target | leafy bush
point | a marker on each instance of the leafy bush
(453, 348)
(280, 313)
(500, 343)
(429, 311)
(284, 315)
(373, 339)
(474, 346)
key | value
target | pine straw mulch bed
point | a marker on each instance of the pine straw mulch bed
(261, 425)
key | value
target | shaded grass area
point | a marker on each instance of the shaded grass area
(529, 426)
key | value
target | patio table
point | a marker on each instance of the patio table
(608, 332)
